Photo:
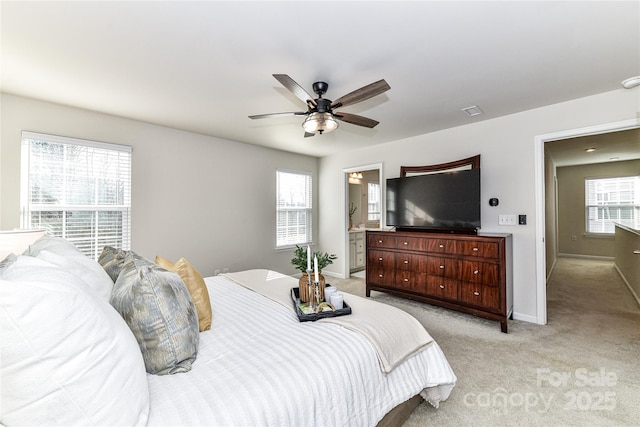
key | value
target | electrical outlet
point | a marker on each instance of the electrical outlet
(522, 219)
(507, 219)
(216, 272)
(225, 270)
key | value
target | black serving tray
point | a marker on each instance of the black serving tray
(312, 317)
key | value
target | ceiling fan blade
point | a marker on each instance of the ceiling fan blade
(307, 134)
(266, 116)
(365, 92)
(296, 89)
(354, 119)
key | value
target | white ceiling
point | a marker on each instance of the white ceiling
(205, 66)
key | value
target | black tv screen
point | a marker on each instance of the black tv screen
(440, 201)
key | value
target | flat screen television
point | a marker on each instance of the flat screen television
(445, 202)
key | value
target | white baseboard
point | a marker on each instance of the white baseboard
(626, 282)
(602, 258)
(332, 274)
(525, 318)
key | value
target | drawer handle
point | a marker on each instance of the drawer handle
(442, 266)
(379, 275)
(475, 249)
(406, 280)
(441, 286)
(476, 272)
(406, 243)
(476, 293)
(380, 259)
(406, 261)
(379, 241)
(442, 246)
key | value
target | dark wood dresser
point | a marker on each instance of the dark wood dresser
(468, 273)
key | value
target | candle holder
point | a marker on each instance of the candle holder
(316, 294)
(310, 289)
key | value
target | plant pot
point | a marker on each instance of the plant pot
(303, 285)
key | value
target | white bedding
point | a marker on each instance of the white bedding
(260, 366)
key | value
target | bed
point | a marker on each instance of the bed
(256, 365)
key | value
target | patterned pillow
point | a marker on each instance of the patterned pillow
(112, 261)
(196, 286)
(157, 306)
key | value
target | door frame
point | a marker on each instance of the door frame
(345, 205)
(539, 140)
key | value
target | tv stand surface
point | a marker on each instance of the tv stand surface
(468, 273)
(467, 231)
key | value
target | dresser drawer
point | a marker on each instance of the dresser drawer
(443, 246)
(410, 243)
(381, 259)
(480, 272)
(479, 295)
(409, 262)
(410, 281)
(442, 287)
(436, 266)
(376, 240)
(478, 249)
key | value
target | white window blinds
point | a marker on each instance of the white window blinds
(373, 204)
(293, 208)
(77, 189)
(612, 200)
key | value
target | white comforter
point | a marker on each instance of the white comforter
(260, 366)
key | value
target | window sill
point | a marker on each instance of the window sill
(599, 235)
(290, 248)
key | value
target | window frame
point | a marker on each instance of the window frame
(308, 208)
(91, 213)
(377, 203)
(634, 204)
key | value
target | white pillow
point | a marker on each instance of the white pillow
(54, 244)
(85, 268)
(68, 358)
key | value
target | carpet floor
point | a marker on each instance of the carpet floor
(582, 368)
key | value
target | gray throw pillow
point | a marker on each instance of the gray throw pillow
(159, 310)
(112, 261)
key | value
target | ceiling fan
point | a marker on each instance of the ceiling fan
(320, 115)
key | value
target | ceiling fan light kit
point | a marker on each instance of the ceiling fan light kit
(320, 115)
(319, 122)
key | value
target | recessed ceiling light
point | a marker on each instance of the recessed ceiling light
(631, 82)
(474, 110)
(590, 150)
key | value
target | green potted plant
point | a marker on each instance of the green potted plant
(299, 261)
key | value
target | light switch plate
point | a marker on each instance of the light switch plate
(507, 219)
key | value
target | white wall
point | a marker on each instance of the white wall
(209, 200)
(507, 149)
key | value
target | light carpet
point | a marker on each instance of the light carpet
(582, 368)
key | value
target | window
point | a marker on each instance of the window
(374, 202)
(293, 208)
(610, 201)
(77, 189)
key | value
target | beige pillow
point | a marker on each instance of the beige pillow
(195, 285)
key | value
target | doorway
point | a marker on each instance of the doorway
(363, 210)
(543, 215)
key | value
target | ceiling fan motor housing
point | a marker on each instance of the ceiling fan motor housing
(320, 88)
(323, 105)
